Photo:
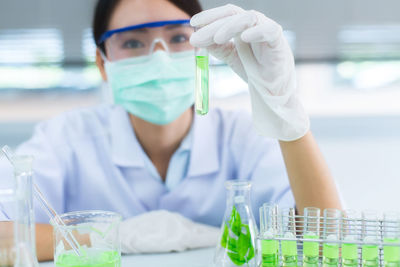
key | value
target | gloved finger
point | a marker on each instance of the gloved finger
(267, 31)
(205, 36)
(234, 26)
(214, 14)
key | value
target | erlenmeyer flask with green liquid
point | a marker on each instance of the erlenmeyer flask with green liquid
(237, 245)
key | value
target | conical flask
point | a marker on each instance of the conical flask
(20, 217)
(238, 243)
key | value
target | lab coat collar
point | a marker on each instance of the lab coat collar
(204, 156)
(125, 148)
(201, 141)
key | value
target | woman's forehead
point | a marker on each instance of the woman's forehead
(132, 12)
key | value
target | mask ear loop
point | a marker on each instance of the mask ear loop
(154, 43)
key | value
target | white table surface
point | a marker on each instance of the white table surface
(192, 258)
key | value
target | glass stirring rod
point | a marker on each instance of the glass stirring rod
(47, 207)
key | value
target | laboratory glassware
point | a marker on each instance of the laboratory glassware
(237, 245)
(202, 81)
(391, 236)
(269, 230)
(351, 236)
(370, 235)
(97, 233)
(311, 230)
(331, 235)
(288, 231)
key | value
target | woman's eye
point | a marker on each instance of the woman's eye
(132, 44)
(181, 38)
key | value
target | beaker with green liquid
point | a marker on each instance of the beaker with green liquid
(331, 237)
(311, 230)
(288, 233)
(351, 234)
(202, 81)
(391, 239)
(97, 233)
(371, 237)
(268, 234)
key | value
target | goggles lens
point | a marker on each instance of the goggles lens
(144, 39)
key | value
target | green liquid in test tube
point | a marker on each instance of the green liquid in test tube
(391, 232)
(311, 231)
(351, 223)
(332, 220)
(201, 91)
(370, 252)
(268, 232)
(270, 253)
(288, 231)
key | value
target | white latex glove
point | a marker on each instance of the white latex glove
(163, 231)
(255, 48)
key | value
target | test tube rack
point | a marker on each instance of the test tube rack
(353, 245)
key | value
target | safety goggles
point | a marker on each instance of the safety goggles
(144, 39)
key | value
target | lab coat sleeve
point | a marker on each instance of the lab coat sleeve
(260, 160)
(49, 150)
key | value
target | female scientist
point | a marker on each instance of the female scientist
(150, 151)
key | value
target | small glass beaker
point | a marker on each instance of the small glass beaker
(97, 233)
(238, 243)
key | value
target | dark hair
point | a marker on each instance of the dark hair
(105, 8)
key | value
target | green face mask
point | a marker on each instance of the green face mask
(157, 88)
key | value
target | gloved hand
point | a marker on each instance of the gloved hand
(163, 231)
(261, 56)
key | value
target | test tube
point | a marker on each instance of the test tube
(391, 237)
(371, 237)
(268, 233)
(311, 231)
(288, 231)
(331, 235)
(351, 233)
(201, 89)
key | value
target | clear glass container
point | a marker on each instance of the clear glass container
(238, 243)
(331, 236)
(288, 231)
(17, 225)
(311, 230)
(269, 230)
(351, 235)
(97, 233)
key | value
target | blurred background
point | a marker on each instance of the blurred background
(348, 70)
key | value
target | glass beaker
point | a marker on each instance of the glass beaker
(238, 245)
(97, 233)
(14, 249)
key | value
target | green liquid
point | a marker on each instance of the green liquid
(310, 252)
(270, 253)
(289, 253)
(370, 255)
(93, 258)
(391, 254)
(201, 93)
(331, 254)
(349, 254)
